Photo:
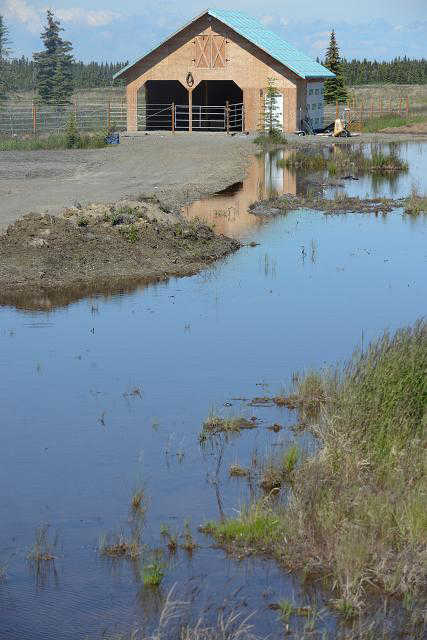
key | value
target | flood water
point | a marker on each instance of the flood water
(109, 393)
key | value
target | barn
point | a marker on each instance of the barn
(212, 74)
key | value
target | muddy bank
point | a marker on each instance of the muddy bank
(386, 136)
(46, 259)
(342, 204)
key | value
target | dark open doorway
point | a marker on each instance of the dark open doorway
(159, 97)
(210, 98)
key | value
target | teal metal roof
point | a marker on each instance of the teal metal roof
(272, 44)
(263, 38)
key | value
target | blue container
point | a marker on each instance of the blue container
(113, 138)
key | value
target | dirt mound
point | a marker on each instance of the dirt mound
(415, 129)
(99, 247)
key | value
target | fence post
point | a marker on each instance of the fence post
(34, 119)
(372, 107)
(380, 105)
(389, 104)
(407, 106)
(109, 115)
(400, 106)
(337, 112)
(173, 117)
(190, 110)
(227, 117)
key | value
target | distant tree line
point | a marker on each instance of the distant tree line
(23, 73)
(396, 71)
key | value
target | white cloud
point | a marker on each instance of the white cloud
(31, 16)
(266, 20)
(89, 18)
(21, 11)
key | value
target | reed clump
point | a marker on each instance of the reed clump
(355, 511)
(215, 425)
(42, 551)
(416, 202)
(344, 160)
(119, 546)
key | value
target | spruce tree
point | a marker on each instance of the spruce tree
(270, 124)
(54, 79)
(4, 56)
(334, 87)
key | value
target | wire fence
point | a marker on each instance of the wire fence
(39, 119)
(27, 118)
(360, 110)
(32, 118)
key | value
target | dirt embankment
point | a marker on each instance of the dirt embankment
(45, 259)
(176, 168)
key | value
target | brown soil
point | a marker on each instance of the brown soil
(46, 260)
(419, 128)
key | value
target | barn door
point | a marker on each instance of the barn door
(210, 51)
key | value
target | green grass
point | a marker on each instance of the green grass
(373, 125)
(343, 160)
(50, 142)
(274, 137)
(255, 525)
(286, 609)
(153, 573)
(356, 511)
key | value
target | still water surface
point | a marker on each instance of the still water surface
(76, 440)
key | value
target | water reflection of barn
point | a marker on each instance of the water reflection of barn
(228, 211)
(212, 74)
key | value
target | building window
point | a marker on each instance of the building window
(310, 92)
(210, 52)
(317, 91)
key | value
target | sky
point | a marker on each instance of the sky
(107, 30)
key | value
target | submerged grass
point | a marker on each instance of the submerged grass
(173, 622)
(152, 573)
(416, 202)
(42, 551)
(119, 546)
(355, 511)
(215, 425)
(344, 159)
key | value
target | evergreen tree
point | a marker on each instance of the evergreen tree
(270, 124)
(4, 56)
(334, 87)
(54, 79)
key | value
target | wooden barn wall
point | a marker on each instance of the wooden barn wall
(246, 65)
